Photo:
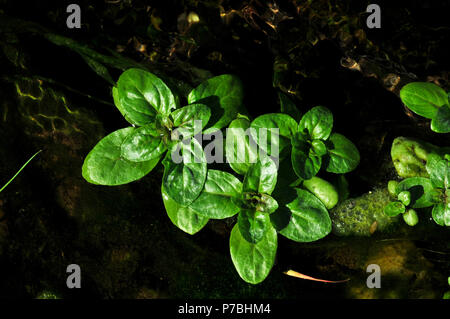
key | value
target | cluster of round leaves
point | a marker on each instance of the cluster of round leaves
(430, 101)
(265, 205)
(421, 192)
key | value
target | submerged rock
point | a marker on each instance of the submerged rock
(362, 216)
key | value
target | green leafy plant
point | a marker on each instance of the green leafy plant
(310, 142)
(430, 101)
(421, 192)
(158, 127)
(18, 172)
(253, 240)
(265, 205)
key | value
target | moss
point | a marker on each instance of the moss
(362, 216)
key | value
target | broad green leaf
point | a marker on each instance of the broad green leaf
(184, 171)
(440, 123)
(115, 94)
(143, 144)
(253, 225)
(319, 147)
(439, 171)
(215, 200)
(394, 208)
(183, 217)
(253, 262)
(343, 156)
(404, 197)
(191, 119)
(269, 204)
(104, 164)
(263, 127)
(441, 214)
(392, 188)
(308, 220)
(423, 98)
(323, 190)
(224, 95)
(241, 150)
(421, 190)
(305, 162)
(261, 177)
(288, 107)
(410, 217)
(141, 95)
(317, 122)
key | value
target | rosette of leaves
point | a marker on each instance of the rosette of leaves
(421, 192)
(253, 239)
(159, 127)
(310, 143)
(430, 101)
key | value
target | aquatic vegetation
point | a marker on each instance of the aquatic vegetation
(253, 240)
(310, 142)
(322, 189)
(18, 172)
(147, 102)
(192, 194)
(421, 192)
(56, 93)
(430, 101)
(362, 216)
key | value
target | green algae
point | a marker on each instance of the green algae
(362, 216)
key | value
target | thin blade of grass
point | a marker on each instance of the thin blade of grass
(20, 170)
